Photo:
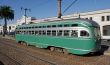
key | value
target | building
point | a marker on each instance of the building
(102, 17)
(10, 29)
(28, 20)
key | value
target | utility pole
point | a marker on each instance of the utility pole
(25, 12)
(59, 8)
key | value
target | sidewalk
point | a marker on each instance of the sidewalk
(8, 37)
(105, 47)
(107, 52)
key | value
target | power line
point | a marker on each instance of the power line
(70, 5)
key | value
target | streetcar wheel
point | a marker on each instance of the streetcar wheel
(19, 42)
(65, 51)
(25, 44)
(52, 48)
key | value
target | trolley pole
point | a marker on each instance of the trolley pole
(25, 12)
(59, 8)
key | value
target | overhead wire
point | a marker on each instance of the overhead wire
(70, 5)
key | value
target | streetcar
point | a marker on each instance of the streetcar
(75, 36)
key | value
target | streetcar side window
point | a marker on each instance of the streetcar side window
(40, 32)
(48, 32)
(59, 33)
(40, 26)
(36, 32)
(74, 33)
(29, 32)
(84, 33)
(66, 32)
(43, 26)
(53, 32)
(48, 26)
(33, 27)
(53, 26)
(74, 25)
(59, 25)
(36, 26)
(66, 25)
(43, 32)
(32, 32)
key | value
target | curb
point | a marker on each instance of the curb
(108, 54)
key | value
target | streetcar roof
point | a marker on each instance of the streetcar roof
(65, 21)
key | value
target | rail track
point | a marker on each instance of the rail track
(45, 57)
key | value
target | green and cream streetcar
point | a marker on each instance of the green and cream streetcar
(76, 36)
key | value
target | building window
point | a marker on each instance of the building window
(106, 30)
(108, 18)
(9, 27)
(103, 18)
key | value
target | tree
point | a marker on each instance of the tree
(6, 13)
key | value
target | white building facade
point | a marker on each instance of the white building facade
(10, 29)
(28, 20)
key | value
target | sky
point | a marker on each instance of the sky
(48, 8)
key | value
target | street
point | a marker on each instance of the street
(12, 53)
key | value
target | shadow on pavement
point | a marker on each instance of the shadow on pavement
(1, 63)
(104, 48)
(99, 53)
